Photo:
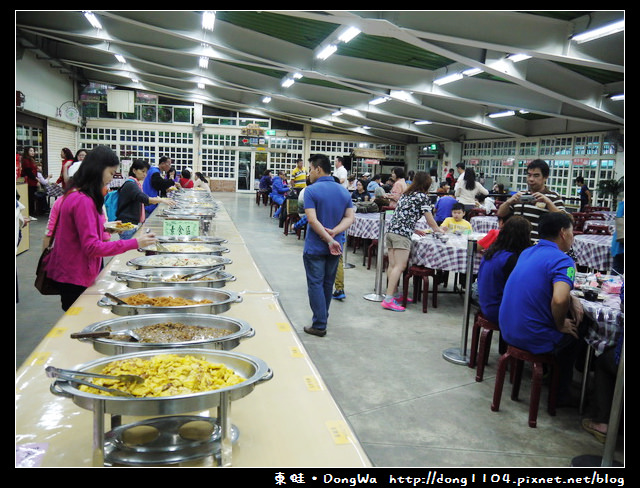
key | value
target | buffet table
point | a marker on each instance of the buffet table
(274, 422)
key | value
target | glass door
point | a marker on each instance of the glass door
(251, 166)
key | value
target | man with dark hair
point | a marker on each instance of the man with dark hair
(341, 172)
(460, 167)
(329, 211)
(155, 185)
(583, 193)
(537, 201)
(536, 304)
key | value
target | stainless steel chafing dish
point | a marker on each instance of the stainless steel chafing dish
(221, 301)
(238, 331)
(179, 261)
(252, 369)
(184, 248)
(193, 239)
(155, 277)
(190, 211)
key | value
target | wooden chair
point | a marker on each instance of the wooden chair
(475, 212)
(598, 229)
(420, 276)
(262, 195)
(481, 336)
(519, 356)
(273, 206)
(373, 249)
(579, 219)
(292, 214)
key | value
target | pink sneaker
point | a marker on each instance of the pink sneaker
(399, 299)
(392, 305)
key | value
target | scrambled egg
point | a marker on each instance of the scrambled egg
(166, 375)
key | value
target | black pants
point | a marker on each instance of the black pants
(606, 370)
(69, 293)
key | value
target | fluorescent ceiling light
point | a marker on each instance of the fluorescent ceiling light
(379, 100)
(93, 20)
(201, 85)
(471, 71)
(297, 76)
(617, 97)
(422, 122)
(266, 99)
(208, 19)
(327, 51)
(287, 82)
(203, 62)
(120, 58)
(599, 32)
(506, 113)
(349, 34)
(518, 57)
(448, 79)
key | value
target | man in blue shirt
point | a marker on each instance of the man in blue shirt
(155, 185)
(329, 211)
(536, 304)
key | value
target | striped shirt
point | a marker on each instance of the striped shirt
(299, 178)
(532, 211)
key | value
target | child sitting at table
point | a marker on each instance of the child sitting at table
(457, 222)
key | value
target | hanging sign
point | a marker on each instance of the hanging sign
(580, 161)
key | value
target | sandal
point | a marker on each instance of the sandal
(587, 424)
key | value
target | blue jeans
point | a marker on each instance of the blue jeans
(127, 234)
(321, 273)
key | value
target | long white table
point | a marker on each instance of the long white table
(291, 420)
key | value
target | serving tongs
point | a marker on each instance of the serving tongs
(70, 375)
(158, 244)
(133, 337)
(120, 301)
(198, 274)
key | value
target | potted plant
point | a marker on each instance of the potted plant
(611, 188)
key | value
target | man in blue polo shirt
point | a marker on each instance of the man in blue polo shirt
(329, 211)
(155, 185)
(536, 304)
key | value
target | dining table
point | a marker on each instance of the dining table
(367, 225)
(605, 327)
(484, 223)
(592, 251)
(444, 251)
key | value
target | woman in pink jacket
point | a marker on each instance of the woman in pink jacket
(80, 239)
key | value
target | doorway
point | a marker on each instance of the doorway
(251, 166)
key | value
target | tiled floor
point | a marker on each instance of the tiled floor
(407, 404)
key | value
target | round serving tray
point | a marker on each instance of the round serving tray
(252, 369)
(221, 301)
(154, 277)
(240, 330)
(179, 261)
